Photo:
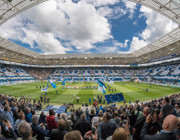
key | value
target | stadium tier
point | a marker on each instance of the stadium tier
(161, 74)
(14, 75)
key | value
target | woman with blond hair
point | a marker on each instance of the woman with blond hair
(120, 134)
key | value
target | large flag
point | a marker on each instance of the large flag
(52, 84)
(106, 79)
(117, 97)
(64, 82)
(60, 78)
(45, 88)
(102, 87)
(72, 80)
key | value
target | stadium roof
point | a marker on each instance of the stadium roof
(168, 8)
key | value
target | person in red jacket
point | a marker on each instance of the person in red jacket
(51, 123)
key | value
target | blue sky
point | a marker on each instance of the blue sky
(86, 26)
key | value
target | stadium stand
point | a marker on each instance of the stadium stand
(164, 74)
(39, 73)
(159, 74)
(10, 74)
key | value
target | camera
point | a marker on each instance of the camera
(152, 112)
(93, 130)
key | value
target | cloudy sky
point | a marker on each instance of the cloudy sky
(86, 26)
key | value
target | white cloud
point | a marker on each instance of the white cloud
(98, 3)
(137, 43)
(121, 45)
(131, 7)
(8, 30)
(157, 25)
(79, 23)
(105, 11)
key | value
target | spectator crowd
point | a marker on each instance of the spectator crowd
(158, 119)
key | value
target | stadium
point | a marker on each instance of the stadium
(88, 85)
(158, 64)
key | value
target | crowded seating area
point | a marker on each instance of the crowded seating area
(10, 74)
(22, 118)
(165, 74)
(39, 73)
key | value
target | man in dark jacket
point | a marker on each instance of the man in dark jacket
(169, 124)
(39, 130)
(83, 125)
(106, 128)
(166, 109)
(139, 123)
(58, 134)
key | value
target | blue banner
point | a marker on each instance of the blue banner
(64, 82)
(102, 87)
(45, 89)
(117, 97)
(52, 83)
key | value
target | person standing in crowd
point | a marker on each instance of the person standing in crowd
(51, 123)
(90, 101)
(77, 99)
(42, 118)
(73, 135)
(169, 124)
(48, 101)
(116, 118)
(25, 131)
(73, 119)
(177, 130)
(68, 122)
(44, 100)
(39, 130)
(139, 124)
(58, 134)
(107, 127)
(83, 125)
(21, 118)
(166, 109)
(41, 98)
(120, 134)
(8, 115)
(7, 131)
(28, 115)
(94, 98)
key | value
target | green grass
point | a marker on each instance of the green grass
(130, 90)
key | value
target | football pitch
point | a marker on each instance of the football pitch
(131, 91)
